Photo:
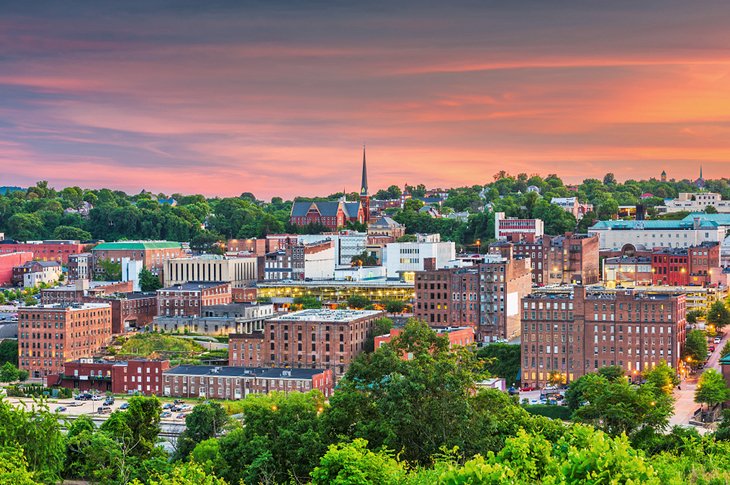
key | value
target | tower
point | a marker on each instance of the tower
(364, 197)
(664, 176)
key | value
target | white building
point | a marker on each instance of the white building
(359, 273)
(571, 204)
(239, 272)
(402, 259)
(504, 227)
(130, 271)
(615, 235)
(347, 244)
(41, 272)
(695, 202)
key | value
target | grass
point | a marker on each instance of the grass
(151, 345)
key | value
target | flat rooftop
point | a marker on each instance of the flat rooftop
(326, 315)
(68, 306)
(228, 371)
(194, 285)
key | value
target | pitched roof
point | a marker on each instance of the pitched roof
(352, 208)
(136, 245)
(327, 208)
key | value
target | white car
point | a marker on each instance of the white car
(717, 340)
(96, 398)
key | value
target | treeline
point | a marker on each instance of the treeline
(390, 421)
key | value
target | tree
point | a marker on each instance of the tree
(110, 270)
(14, 467)
(136, 429)
(364, 259)
(695, 348)
(381, 326)
(501, 360)
(308, 302)
(350, 463)
(711, 388)
(358, 302)
(662, 377)
(694, 315)
(9, 351)
(710, 209)
(204, 422)
(148, 281)
(718, 315)
(70, 232)
(394, 306)
(9, 373)
(184, 474)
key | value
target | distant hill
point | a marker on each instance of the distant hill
(6, 189)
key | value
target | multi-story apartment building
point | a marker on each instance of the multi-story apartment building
(685, 266)
(33, 273)
(506, 227)
(571, 258)
(201, 381)
(316, 339)
(49, 335)
(50, 250)
(239, 272)
(302, 262)
(484, 296)
(628, 270)
(80, 266)
(188, 299)
(129, 377)
(152, 254)
(571, 333)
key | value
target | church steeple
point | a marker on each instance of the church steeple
(364, 183)
(701, 173)
(364, 197)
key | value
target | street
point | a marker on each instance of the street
(685, 406)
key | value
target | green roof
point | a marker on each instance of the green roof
(725, 360)
(136, 245)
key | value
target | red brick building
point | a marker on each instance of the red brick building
(458, 336)
(314, 339)
(8, 261)
(685, 266)
(50, 335)
(153, 254)
(75, 293)
(188, 299)
(198, 381)
(50, 250)
(573, 333)
(130, 377)
(484, 296)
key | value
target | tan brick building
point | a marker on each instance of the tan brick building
(188, 299)
(572, 333)
(484, 296)
(314, 339)
(50, 335)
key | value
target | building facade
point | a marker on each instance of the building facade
(50, 335)
(647, 235)
(506, 227)
(314, 339)
(152, 254)
(695, 202)
(49, 250)
(33, 273)
(198, 381)
(239, 272)
(8, 261)
(80, 266)
(188, 299)
(128, 377)
(484, 296)
(566, 335)
(402, 260)
(220, 320)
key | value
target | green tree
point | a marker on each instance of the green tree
(695, 347)
(694, 315)
(136, 429)
(502, 360)
(364, 259)
(9, 373)
(204, 422)
(381, 326)
(711, 389)
(358, 302)
(184, 474)
(148, 281)
(350, 463)
(307, 302)
(662, 377)
(718, 315)
(108, 270)
(14, 467)
(394, 306)
(9, 351)
(70, 232)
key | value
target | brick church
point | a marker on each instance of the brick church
(335, 214)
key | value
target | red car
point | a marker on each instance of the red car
(528, 389)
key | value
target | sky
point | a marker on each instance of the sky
(277, 98)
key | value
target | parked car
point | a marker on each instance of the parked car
(180, 416)
(60, 409)
(712, 348)
(75, 404)
(167, 405)
(124, 405)
(166, 414)
(512, 391)
(718, 340)
(528, 389)
(109, 401)
(104, 410)
(96, 398)
(83, 397)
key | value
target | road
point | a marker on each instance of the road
(685, 405)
